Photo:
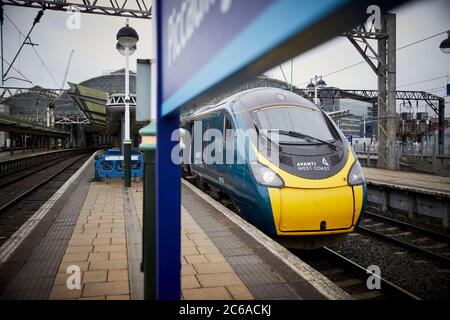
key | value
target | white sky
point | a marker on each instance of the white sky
(95, 52)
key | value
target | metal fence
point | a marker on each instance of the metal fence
(407, 149)
(410, 156)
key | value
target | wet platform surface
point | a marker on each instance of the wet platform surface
(95, 227)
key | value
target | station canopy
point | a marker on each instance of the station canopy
(92, 103)
(9, 123)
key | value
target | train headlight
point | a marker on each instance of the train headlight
(355, 176)
(266, 176)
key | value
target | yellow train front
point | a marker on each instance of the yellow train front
(282, 161)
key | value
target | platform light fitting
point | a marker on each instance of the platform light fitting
(121, 49)
(310, 87)
(445, 44)
(321, 84)
(127, 37)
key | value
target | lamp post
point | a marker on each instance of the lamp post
(364, 131)
(445, 48)
(318, 84)
(127, 38)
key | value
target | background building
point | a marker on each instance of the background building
(353, 123)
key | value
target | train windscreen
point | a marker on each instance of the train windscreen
(297, 119)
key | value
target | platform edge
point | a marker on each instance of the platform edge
(321, 283)
(10, 245)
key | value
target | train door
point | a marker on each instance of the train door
(212, 147)
(232, 170)
(215, 147)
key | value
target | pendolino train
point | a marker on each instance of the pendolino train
(311, 195)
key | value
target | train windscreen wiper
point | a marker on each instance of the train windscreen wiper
(305, 136)
(280, 148)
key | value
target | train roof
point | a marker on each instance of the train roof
(245, 100)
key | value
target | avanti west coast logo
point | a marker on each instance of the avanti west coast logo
(313, 165)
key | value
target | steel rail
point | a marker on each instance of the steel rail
(40, 184)
(412, 227)
(404, 244)
(37, 167)
(391, 287)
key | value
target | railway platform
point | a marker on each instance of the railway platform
(418, 194)
(6, 156)
(92, 230)
(413, 181)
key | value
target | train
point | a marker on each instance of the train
(109, 165)
(305, 189)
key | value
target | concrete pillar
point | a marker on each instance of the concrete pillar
(434, 158)
(412, 206)
(382, 98)
(385, 205)
(392, 92)
(441, 129)
(12, 137)
(387, 131)
(445, 217)
(83, 137)
(24, 143)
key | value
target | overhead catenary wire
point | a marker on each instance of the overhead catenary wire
(435, 89)
(422, 81)
(285, 79)
(363, 61)
(34, 49)
(45, 66)
(18, 71)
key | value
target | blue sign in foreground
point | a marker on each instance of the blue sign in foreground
(204, 42)
(204, 46)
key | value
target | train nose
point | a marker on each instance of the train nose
(316, 209)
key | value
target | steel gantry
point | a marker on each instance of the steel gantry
(385, 67)
(122, 8)
(64, 110)
(436, 103)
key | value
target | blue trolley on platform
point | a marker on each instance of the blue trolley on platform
(110, 164)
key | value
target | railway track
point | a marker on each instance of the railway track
(20, 200)
(350, 276)
(343, 264)
(22, 185)
(429, 243)
(8, 179)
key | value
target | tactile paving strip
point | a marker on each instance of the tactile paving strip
(41, 254)
(134, 247)
(257, 267)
